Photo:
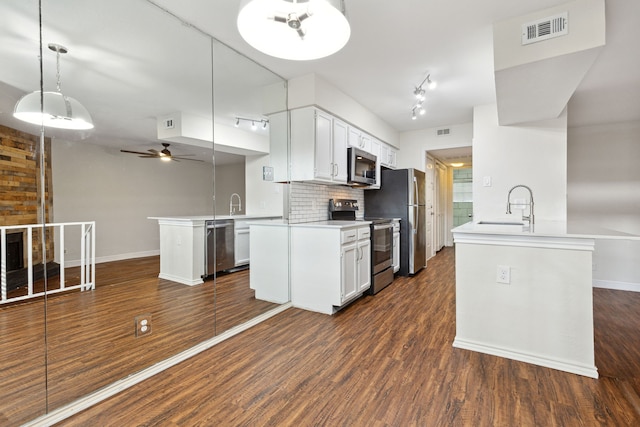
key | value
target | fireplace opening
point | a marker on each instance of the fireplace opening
(15, 251)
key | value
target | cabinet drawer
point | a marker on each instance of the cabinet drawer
(240, 224)
(347, 236)
(364, 233)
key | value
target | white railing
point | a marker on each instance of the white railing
(87, 261)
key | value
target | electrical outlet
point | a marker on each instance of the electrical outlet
(143, 325)
(504, 274)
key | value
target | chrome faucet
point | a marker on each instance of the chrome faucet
(232, 206)
(529, 218)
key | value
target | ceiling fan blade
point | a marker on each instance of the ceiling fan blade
(151, 150)
(136, 152)
(304, 16)
(301, 33)
(280, 19)
(184, 158)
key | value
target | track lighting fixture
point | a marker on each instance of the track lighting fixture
(254, 122)
(419, 93)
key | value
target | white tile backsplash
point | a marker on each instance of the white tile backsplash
(310, 202)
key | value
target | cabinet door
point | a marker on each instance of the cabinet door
(324, 167)
(392, 158)
(395, 263)
(241, 246)
(278, 125)
(384, 154)
(364, 265)
(348, 286)
(339, 151)
(365, 142)
(354, 137)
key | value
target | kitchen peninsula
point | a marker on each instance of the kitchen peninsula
(183, 243)
(525, 292)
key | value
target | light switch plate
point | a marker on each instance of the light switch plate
(486, 181)
(267, 173)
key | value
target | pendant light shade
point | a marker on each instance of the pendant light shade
(59, 111)
(294, 29)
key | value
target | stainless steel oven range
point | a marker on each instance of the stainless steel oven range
(381, 241)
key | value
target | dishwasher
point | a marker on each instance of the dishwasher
(219, 248)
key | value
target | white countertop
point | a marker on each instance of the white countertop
(270, 223)
(210, 217)
(332, 224)
(545, 229)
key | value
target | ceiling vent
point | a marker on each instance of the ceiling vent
(443, 132)
(546, 28)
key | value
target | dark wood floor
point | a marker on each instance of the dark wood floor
(386, 360)
(88, 340)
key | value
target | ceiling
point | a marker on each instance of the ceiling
(393, 46)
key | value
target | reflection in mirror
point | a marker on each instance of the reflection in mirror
(22, 319)
(115, 305)
(245, 94)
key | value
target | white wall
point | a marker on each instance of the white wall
(415, 144)
(262, 197)
(230, 179)
(119, 191)
(311, 90)
(604, 192)
(534, 155)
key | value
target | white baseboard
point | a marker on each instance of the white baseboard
(620, 286)
(561, 365)
(110, 258)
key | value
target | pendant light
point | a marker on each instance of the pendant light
(58, 110)
(294, 29)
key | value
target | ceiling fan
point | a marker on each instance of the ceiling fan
(163, 154)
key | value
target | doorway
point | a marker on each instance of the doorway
(441, 165)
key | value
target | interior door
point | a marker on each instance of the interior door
(429, 196)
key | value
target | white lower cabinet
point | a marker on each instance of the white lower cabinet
(241, 246)
(330, 266)
(242, 239)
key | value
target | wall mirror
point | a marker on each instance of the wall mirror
(91, 308)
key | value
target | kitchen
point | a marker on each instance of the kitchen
(147, 182)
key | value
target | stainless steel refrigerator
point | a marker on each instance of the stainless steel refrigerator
(402, 195)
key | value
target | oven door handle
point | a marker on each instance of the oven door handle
(382, 226)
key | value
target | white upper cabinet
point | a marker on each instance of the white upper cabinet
(318, 147)
(340, 147)
(319, 143)
(388, 156)
(359, 139)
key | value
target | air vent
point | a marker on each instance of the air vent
(443, 132)
(544, 29)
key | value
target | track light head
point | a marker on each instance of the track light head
(430, 83)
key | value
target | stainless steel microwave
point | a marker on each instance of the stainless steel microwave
(361, 167)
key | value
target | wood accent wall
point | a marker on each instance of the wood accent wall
(20, 185)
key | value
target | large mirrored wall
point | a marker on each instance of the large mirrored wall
(88, 296)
